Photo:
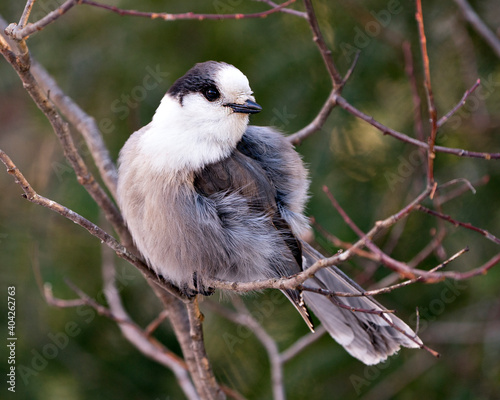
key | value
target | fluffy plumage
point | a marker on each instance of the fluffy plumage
(206, 195)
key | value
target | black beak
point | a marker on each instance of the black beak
(249, 107)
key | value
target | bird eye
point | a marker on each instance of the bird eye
(211, 94)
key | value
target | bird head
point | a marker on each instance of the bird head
(202, 117)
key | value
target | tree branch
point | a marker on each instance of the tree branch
(94, 230)
(83, 123)
(302, 343)
(26, 13)
(61, 129)
(431, 154)
(343, 103)
(465, 225)
(19, 33)
(462, 101)
(208, 385)
(318, 122)
(326, 53)
(140, 338)
(284, 9)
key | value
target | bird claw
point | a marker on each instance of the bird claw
(198, 288)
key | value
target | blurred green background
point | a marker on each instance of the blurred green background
(118, 68)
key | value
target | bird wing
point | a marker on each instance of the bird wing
(243, 178)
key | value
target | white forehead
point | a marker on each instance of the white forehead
(231, 79)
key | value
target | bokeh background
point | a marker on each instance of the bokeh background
(118, 68)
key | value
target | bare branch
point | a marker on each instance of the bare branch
(477, 23)
(142, 339)
(284, 9)
(461, 190)
(342, 213)
(342, 244)
(302, 343)
(61, 129)
(26, 13)
(207, 383)
(483, 269)
(465, 225)
(431, 154)
(381, 256)
(84, 123)
(153, 325)
(318, 122)
(94, 230)
(462, 101)
(270, 346)
(467, 184)
(343, 103)
(131, 331)
(19, 33)
(436, 241)
(242, 316)
(351, 68)
(22, 32)
(326, 53)
(388, 289)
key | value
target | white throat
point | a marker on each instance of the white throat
(187, 137)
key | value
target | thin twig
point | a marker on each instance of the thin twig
(61, 129)
(482, 270)
(342, 213)
(83, 123)
(351, 68)
(138, 337)
(461, 190)
(188, 15)
(436, 241)
(302, 343)
(342, 244)
(465, 225)
(388, 289)
(19, 33)
(269, 344)
(22, 32)
(399, 267)
(94, 230)
(343, 103)
(467, 184)
(285, 10)
(431, 154)
(318, 122)
(153, 325)
(326, 53)
(462, 101)
(26, 13)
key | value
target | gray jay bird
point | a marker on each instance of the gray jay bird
(206, 196)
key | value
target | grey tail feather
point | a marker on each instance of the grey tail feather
(297, 299)
(368, 337)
